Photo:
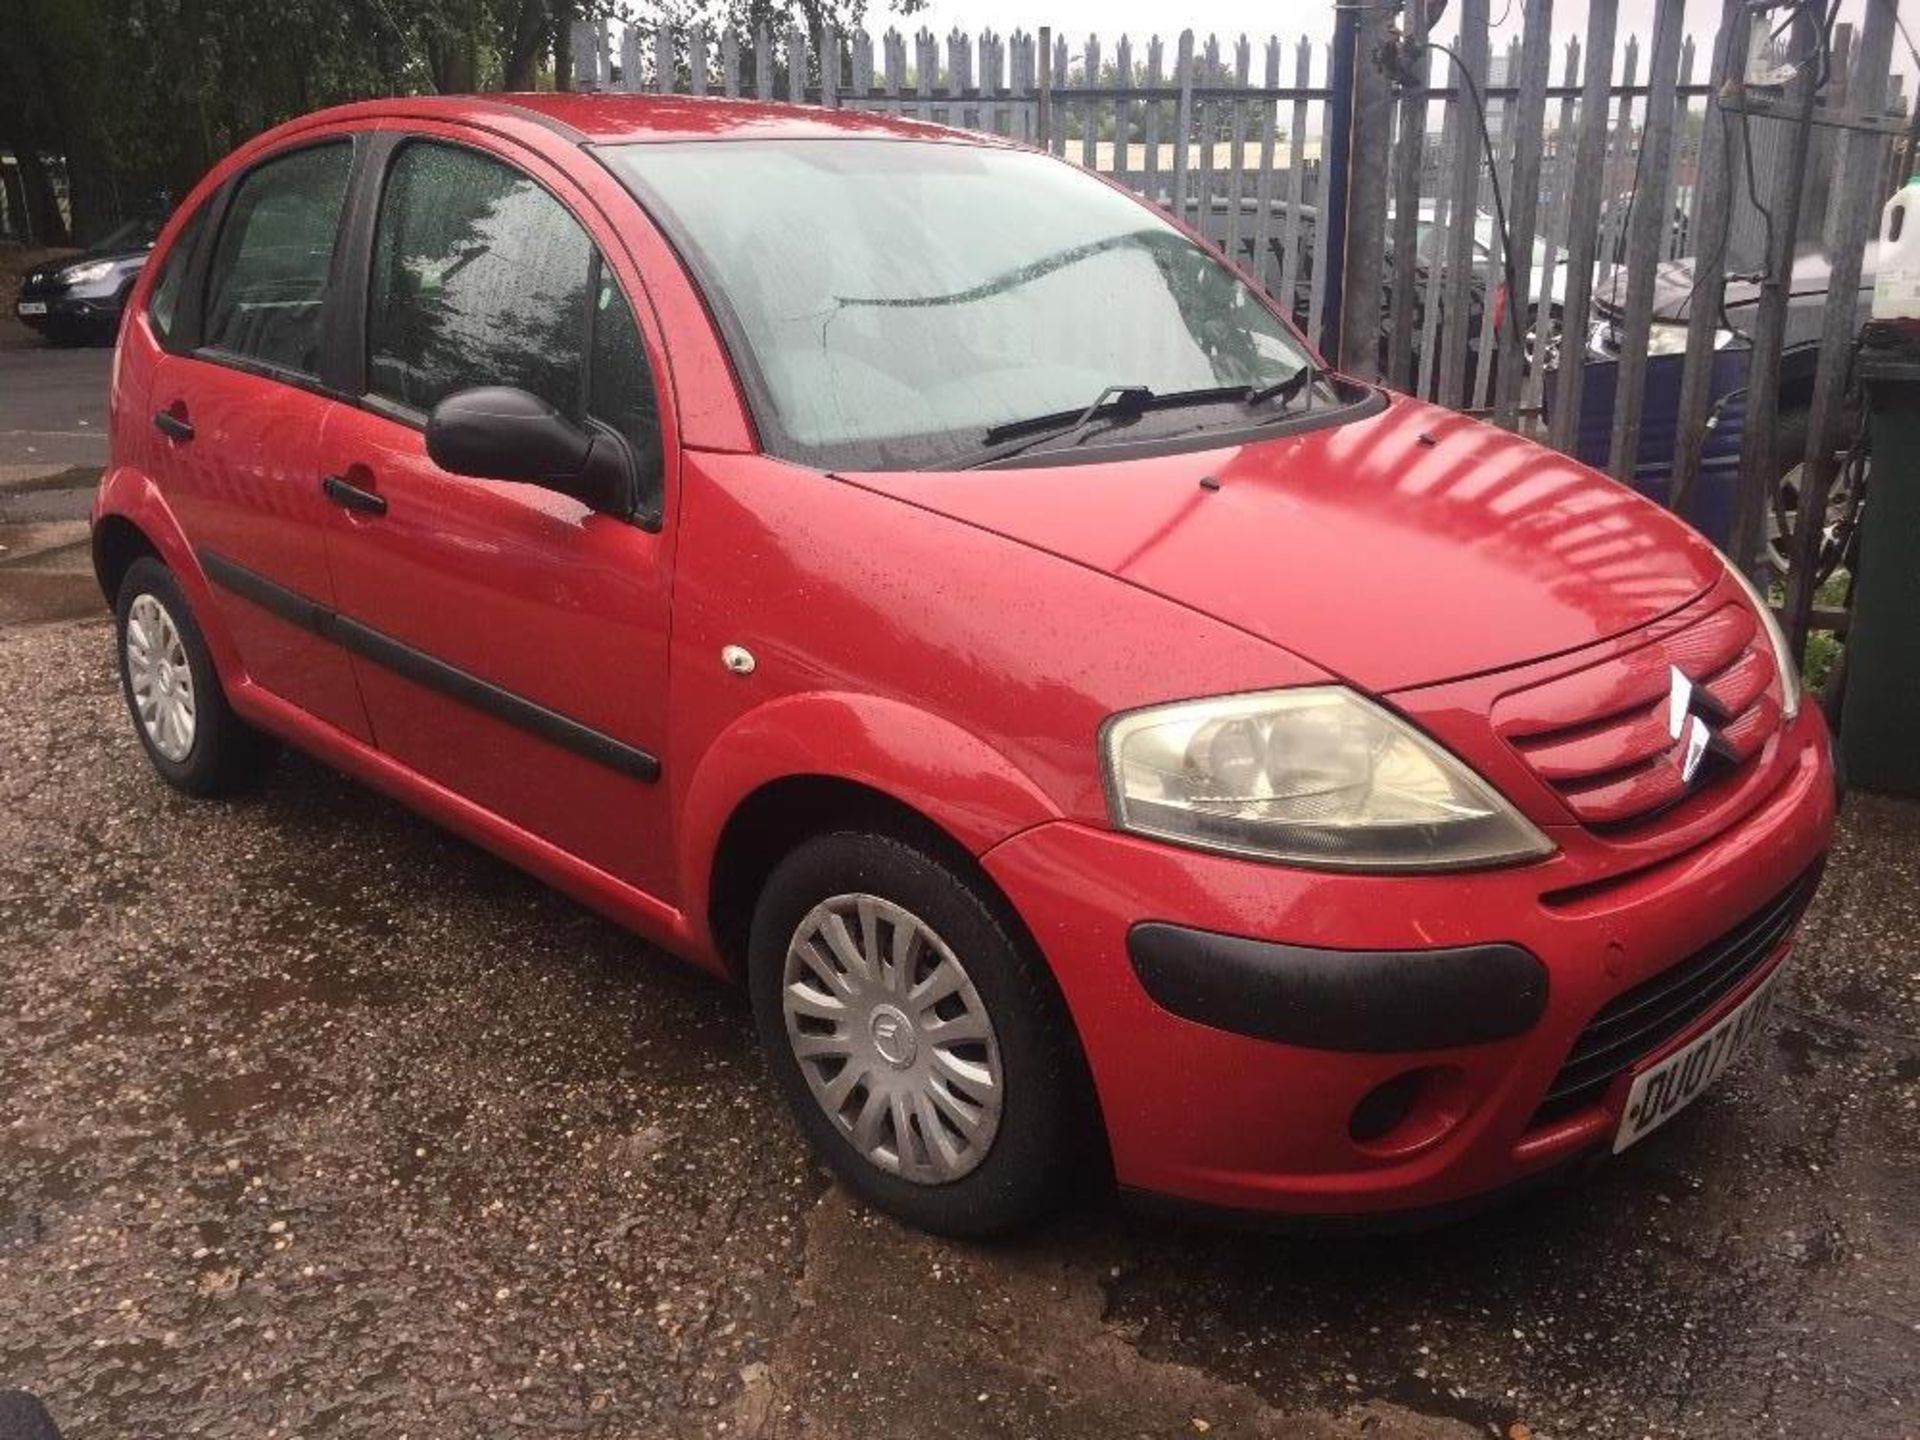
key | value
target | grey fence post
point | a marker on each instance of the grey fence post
(1408, 162)
(1368, 166)
(1182, 123)
(1152, 121)
(1758, 452)
(1263, 221)
(1295, 227)
(1090, 107)
(1467, 156)
(1856, 190)
(1529, 117)
(1237, 147)
(1651, 219)
(1713, 204)
(1043, 104)
(589, 55)
(1583, 220)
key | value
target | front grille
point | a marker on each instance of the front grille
(1634, 1025)
(1600, 736)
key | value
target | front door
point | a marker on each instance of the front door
(510, 642)
(241, 419)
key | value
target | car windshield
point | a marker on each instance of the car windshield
(891, 302)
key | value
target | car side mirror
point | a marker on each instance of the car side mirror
(498, 432)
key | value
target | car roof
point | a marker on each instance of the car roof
(603, 117)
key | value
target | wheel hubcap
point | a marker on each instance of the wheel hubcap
(1784, 517)
(160, 678)
(893, 1039)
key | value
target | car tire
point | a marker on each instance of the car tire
(1031, 1144)
(182, 716)
(23, 1417)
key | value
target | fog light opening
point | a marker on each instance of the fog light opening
(1409, 1112)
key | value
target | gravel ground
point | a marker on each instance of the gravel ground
(315, 1121)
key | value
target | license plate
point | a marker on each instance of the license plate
(33, 307)
(1666, 1089)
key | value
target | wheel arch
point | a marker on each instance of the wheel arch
(131, 518)
(809, 762)
(781, 814)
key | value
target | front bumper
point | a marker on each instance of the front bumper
(70, 310)
(1199, 1113)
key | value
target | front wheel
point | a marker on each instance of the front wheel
(923, 1050)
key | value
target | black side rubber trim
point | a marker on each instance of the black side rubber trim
(424, 669)
(1373, 1001)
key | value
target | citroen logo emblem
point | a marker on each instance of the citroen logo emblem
(1685, 726)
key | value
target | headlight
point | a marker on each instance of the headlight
(1317, 776)
(1668, 337)
(86, 274)
(1783, 660)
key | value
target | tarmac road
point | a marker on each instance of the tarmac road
(315, 1121)
(53, 404)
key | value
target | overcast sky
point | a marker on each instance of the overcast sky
(1109, 19)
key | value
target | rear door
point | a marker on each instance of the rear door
(510, 642)
(239, 407)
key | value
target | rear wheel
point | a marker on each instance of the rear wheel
(922, 1049)
(180, 713)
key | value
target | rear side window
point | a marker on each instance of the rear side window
(163, 301)
(480, 277)
(267, 283)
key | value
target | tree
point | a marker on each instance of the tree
(141, 96)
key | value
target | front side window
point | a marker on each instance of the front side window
(482, 277)
(897, 300)
(267, 284)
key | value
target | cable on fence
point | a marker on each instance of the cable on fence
(1493, 174)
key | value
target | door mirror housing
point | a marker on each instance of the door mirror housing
(498, 432)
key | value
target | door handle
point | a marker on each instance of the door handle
(174, 427)
(352, 497)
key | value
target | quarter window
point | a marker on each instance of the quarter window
(163, 302)
(267, 284)
(481, 277)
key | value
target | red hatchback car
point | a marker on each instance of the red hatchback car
(906, 573)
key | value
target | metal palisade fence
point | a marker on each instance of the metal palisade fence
(1611, 169)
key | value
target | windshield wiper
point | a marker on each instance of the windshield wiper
(1117, 402)
(1285, 390)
